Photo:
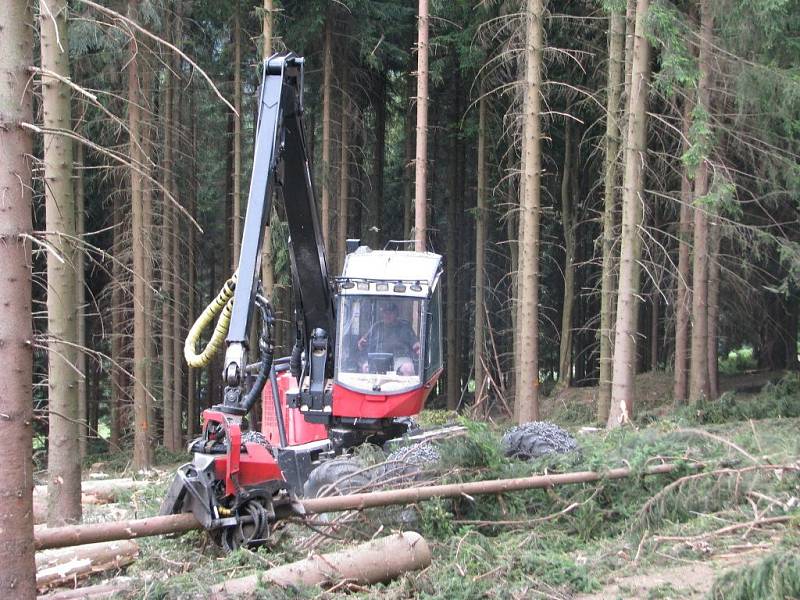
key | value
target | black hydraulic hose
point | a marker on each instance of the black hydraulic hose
(276, 402)
(265, 346)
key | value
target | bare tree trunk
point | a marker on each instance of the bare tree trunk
(141, 452)
(616, 63)
(167, 219)
(327, 90)
(146, 129)
(408, 163)
(699, 384)
(378, 160)
(80, 300)
(633, 185)
(568, 221)
(237, 135)
(63, 457)
(451, 251)
(481, 228)
(421, 156)
(17, 568)
(344, 174)
(713, 310)
(177, 282)
(117, 380)
(191, 384)
(683, 295)
(267, 273)
(527, 331)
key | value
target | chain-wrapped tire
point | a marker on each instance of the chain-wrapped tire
(408, 463)
(338, 477)
(535, 439)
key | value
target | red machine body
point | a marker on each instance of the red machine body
(298, 430)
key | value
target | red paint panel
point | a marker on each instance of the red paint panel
(349, 403)
(298, 431)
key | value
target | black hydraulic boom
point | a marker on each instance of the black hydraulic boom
(281, 165)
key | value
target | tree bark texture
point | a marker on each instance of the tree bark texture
(421, 154)
(408, 163)
(527, 329)
(327, 99)
(63, 566)
(117, 374)
(683, 297)
(481, 237)
(17, 569)
(616, 64)
(63, 458)
(633, 185)
(141, 426)
(699, 384)
(168, 217)
(176, 237)
(568, 223)
(378, 160)
(237, 134)
(713, 309)
(80, 301)
(344, 177)
(454, 239)
(267, 272)
(375, 561)
(146, 128)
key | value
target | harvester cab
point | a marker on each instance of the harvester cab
(367, 352)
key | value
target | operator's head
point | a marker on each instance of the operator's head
(389, 312)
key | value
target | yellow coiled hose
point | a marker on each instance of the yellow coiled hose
(222, 305)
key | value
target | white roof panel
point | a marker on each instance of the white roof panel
(392, 265)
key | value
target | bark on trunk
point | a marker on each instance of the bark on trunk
(378, 159)
(191, 384)
(568, 222)
(683, 297)
(527, 330)
(237, 135)
(146, 129)
(616, 63)
(408, 164)
(327, 90)
(481, 227)
(699, 384)
(421, 155)
(66, 565)
(713, 311)
(80, 301)
(375, 561)
(633, 185)
(63, 458)
(117, 379)
(141, 452)
(17, 569)
(453, 240)
(344, 176)
(267, 272)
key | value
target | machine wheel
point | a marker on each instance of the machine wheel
(408, 463)
(252, 531)
(337, 477)
(535, 439)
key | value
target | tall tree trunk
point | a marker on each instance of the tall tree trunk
(327, 90)
(344, 175)
(408, 163)
(453, 239)
(191, 384)
(713, 311)
(167, 220)
(141, 453)
(568, 221)
(421, 155)
(616, 63)
(699, 384)
(481, 228)
(146, 129)
(237, 135)
(527, 332)
(63, 457)
(267, 272)
(17, 568)
(378, 159)
(80, 301)
(177, 281)
(633, 186)
(117, 379)
(683, 298)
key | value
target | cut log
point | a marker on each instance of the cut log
(95, 592)
(59, 537)
(371, 562)
(65, 565)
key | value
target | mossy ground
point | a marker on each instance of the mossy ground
(570, 540)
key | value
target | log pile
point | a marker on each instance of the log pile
(102, 491)
(67, 565)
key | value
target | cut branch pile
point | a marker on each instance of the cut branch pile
(92, 492)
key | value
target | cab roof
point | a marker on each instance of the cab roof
(392, 266)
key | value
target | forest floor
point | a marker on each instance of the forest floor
(690, 534)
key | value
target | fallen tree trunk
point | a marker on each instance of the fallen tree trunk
(371, 562)
(65, 565)
(103, 532)
(95, 592)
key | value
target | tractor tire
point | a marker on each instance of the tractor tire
(338, 477)
(408, 464)
(535, 439)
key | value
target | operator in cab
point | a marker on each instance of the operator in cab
(393, 335)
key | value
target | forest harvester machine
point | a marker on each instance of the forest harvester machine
(366, 356)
